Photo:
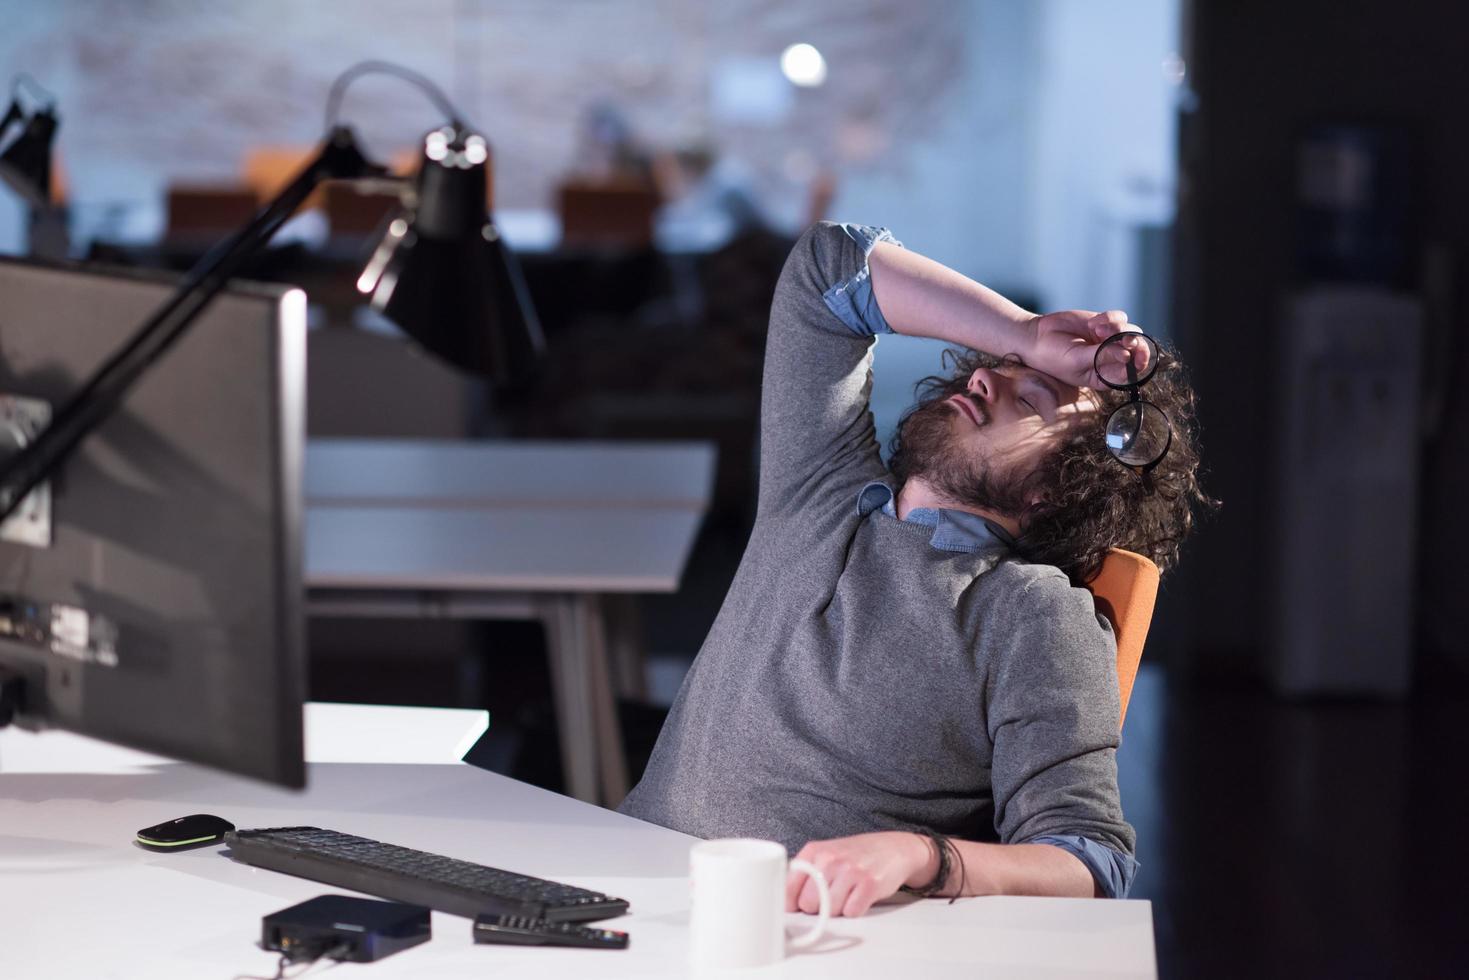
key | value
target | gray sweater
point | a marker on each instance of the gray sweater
(859, 679)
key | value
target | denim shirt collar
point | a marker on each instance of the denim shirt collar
(953, 530)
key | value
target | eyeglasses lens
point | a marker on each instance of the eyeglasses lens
(1126, 359)
(1137, 434)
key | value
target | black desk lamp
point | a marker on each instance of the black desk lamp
(443, 274)
(25, 164)
(448, 266)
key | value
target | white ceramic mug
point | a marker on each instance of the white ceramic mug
(738, 903)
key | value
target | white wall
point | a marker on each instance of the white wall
(961, 195)
(1104, 150)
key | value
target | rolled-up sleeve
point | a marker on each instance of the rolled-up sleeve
(815, 427)
(1112, 870)
(852, 299)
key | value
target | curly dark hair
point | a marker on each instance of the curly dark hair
(1088, 502)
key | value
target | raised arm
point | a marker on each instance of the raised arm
(842, 286)
(816, 434)
(923, 298)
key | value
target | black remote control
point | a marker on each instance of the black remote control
(522, 930)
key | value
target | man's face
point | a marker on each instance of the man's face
(979, 445)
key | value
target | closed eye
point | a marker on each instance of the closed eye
(1045, 394)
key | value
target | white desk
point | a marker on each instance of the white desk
(78, 900)
(552, 531)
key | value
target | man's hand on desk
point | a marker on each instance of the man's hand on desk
(861, 870)
(864, 869)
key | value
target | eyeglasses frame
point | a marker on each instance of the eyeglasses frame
(1131, 387)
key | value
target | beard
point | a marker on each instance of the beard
(960, 475)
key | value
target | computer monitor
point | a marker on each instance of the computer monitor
(163, 610)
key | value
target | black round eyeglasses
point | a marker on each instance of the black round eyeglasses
(1138, 432)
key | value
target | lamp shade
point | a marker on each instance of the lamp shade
(444, 275)
(26, 163)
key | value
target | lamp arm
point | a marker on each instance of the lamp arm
(339, 157)
(422, 82)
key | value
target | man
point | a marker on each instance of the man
(905, 682)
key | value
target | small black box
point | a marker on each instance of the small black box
(369, 929)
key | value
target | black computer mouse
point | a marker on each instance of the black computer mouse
(185, 833)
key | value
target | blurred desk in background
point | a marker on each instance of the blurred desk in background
(339, 733)
(526, 230)
(556, 532)
(324, 253)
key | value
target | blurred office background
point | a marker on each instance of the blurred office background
(1278, 189)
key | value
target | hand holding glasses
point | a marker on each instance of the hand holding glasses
(1138, 433)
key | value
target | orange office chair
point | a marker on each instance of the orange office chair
(1124, 591)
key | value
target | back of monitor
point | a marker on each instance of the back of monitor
(171, 584)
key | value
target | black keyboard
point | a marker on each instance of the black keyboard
(417, 877)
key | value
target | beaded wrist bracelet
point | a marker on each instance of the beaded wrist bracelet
(948, 855)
